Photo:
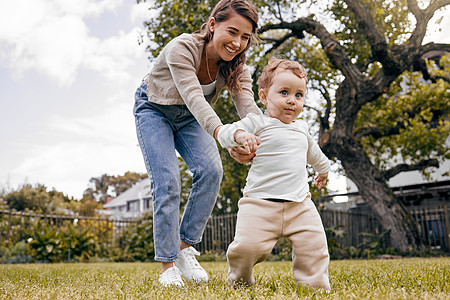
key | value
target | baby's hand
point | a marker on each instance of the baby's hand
(249, 141)
(321, 180)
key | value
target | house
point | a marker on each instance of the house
(409, 187)
(428, 203)
(133, 202)
(413, 190)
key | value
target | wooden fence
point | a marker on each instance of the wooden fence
(433, 226)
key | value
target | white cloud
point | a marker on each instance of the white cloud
(143, 11)
(85, 7)
(114, 125)
(69, 166)
(51, 36)
(111, 57)
(86, 147)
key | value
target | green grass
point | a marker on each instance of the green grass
(413, 278)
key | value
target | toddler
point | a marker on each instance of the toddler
(276, 201)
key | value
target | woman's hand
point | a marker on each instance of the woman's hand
(241, 155)
(248, 140)
(321, 180)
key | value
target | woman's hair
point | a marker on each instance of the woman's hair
(232, 70)
(277, 65)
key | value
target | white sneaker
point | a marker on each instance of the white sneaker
(171, 277)
(189, 266)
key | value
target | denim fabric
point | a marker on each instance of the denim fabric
(162, 129)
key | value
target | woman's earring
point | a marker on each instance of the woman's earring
(212, 29)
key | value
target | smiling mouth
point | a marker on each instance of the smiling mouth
(230, 50)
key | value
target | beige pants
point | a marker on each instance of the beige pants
(259, 225)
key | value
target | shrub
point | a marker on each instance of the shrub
(18, 253)
(136, 241)
(53, 245)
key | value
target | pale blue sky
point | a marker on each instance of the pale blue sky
(68, 72)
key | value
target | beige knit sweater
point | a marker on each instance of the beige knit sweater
(173, 80)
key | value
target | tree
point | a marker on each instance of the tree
(110, 185)
(37, 199)
(382, 94)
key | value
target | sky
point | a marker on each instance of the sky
(68, 73)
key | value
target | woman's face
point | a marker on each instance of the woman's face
(230, 37)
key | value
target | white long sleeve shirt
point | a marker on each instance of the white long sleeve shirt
(279, 168)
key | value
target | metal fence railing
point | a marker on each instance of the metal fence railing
(433, 226)
(220, 230)
(16, 226)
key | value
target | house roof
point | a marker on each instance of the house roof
(140, 190)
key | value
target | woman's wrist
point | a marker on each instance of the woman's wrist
(216, 131)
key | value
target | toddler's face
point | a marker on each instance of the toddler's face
(285, 97)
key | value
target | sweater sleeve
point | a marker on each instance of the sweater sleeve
(244, 100)
(180, 58)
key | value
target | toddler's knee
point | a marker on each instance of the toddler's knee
(248, 252)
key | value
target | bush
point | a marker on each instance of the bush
(18, 253)
(136, 241)
(52, 245)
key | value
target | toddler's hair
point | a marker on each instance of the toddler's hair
(277, 65)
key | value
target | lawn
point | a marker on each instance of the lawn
(412, 278)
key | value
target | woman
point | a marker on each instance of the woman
(173, 112)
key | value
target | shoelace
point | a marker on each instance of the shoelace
(191, 258)
(172, 274)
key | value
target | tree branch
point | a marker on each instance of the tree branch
(277, 42)
(369, 29)
(424, 49)
(405, 167)
(325, 120)
(427, 12)
(419, 64)
(423, 16)
(377, 133)
(279, 11)
(430, 51)
(334, 51)
(313, 108)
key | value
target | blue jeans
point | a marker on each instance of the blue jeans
(162, 129)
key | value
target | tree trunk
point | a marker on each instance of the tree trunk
(376, 193)
(371, 184)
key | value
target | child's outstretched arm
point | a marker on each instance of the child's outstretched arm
(321, 180)
(249, 141)
(241, 135)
